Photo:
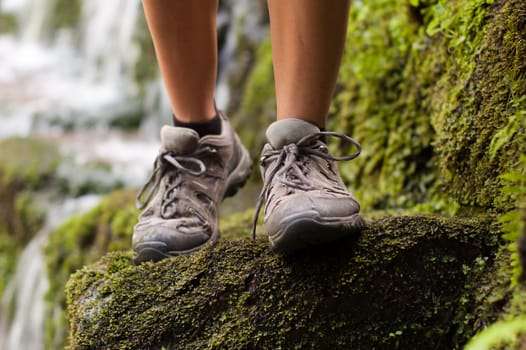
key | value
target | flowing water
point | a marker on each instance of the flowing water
(67, 85)
(78, 77)
(27, 289)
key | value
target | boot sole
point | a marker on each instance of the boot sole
(307, 230)
(158, 250)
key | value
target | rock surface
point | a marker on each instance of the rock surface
(398, 285)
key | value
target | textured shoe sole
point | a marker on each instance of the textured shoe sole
(158, 250)
(309, 230)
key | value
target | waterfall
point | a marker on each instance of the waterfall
(27, 290)
(107, 44)
(68, 83)
(80, 76)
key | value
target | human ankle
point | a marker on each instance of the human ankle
(203, 128)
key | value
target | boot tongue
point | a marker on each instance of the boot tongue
(179, 140)
(291, 130)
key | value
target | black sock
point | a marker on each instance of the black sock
(209, 127)
(323, 138)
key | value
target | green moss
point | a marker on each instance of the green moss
(432, 83)
(10, 250)
(522, 244)
(489, 96)
(379, 105)
(498, 334)
(81, 240)
(494, 300)
(237, 225)
(402, 276)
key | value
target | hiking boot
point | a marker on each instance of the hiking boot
(307, 203)
(191, 176)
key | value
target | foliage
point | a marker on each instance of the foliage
(515, 186)
(498, 334)
(417, 80)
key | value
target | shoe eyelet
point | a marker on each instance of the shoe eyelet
(147, 213)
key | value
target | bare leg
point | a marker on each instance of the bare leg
(308, 37)
(185, 40)
(181, 215)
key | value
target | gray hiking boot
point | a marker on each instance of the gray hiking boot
(306, 200)
(191, 176)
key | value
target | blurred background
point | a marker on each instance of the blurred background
(83, 74)
(81, 105)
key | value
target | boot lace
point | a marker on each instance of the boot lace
(291, 164)
(175, 166)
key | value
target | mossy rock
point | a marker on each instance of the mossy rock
(397, 285)
(435, 91)
(82, 240)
